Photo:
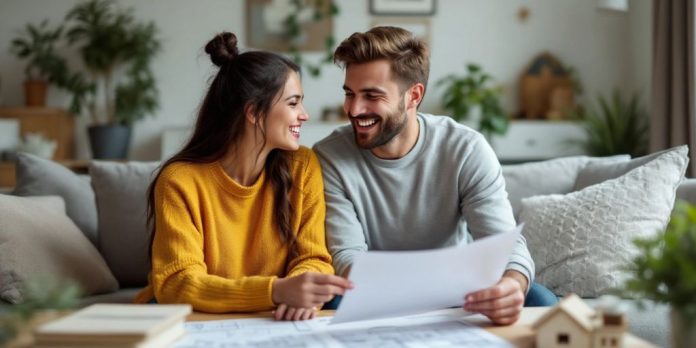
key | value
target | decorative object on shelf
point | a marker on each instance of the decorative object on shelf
(293, 26)
(616, 126)
(402, 7)
(9, 138)
(471, 96)
(573, 323)
(523, 14)
(37, 144)
(664, 270)
(547, 90)
(335, 113)
(53, 123)
(110, 40)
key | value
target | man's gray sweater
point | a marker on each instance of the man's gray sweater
(448, 190)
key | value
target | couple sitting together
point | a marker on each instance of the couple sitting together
(245, 219)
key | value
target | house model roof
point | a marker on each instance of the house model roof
(576, 309)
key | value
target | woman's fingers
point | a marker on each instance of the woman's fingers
(290, 313)
(279, 313)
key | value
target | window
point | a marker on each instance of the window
(614, 342)
(563, 338)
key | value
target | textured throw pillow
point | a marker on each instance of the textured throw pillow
(546, 177)
(121, 194)
(37, 240)
(594, 173)
(580, 241)
(41, 177)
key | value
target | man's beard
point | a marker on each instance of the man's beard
(390, 126)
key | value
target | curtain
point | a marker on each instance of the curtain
(672, 119)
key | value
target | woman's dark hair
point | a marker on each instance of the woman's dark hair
(249, 80)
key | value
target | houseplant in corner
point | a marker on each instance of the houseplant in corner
(616, 126)
(117, 52)
(471, 96)
(36, 45)
(665, 271)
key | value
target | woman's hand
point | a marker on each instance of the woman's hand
(283, 312)
(308, 290)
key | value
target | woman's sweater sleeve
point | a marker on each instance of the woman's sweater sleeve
(311, 238)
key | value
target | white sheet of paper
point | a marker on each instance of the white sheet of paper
(443, 328)
(396, 283)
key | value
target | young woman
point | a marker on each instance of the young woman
(239, 212)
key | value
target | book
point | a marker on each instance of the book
(115, 325)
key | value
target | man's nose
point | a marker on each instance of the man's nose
(355, 107)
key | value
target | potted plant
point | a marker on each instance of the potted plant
(36, 45)
(116, 50)
(616, 126)
(471, 96)
(665, 271)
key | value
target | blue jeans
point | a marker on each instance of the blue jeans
(537, 296)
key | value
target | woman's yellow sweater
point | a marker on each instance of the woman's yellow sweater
(217, 244)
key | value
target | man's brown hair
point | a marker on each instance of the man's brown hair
(408, 57)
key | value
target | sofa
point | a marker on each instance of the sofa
(91, 228)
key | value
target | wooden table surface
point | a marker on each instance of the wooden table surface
(520, 334)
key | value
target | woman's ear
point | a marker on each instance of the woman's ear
(250, 115)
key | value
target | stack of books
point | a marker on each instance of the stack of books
(116, 325)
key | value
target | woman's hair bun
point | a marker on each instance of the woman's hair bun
(222, 48)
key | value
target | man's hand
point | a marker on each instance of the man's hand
(308, 290)
(501, 303)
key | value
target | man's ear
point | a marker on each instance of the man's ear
(414, 95)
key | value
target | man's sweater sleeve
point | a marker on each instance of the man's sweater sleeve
(485, 205)
(344, 233)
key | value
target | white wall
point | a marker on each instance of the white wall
(607, 48)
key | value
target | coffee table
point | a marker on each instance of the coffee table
(520, 334)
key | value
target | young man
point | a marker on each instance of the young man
(396, 179)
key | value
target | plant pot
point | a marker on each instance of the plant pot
(35, 92)
(683, 332)
(109, 141)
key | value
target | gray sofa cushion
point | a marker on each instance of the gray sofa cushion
(596, 172)
(580, 241)
(38, 241)
(41, 177)
(546, 177)
(120, 190)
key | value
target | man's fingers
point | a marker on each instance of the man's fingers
(280, 312)
(503, 302)
(500, 313)
(506, 320)
(499, 290)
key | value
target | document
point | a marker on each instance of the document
(444, 328)
(397, 283)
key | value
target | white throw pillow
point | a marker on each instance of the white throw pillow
(556, 175)
(580, 241)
